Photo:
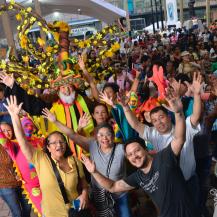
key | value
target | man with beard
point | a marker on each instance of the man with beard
(68, 105)
(160, 175)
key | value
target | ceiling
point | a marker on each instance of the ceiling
(98, 9)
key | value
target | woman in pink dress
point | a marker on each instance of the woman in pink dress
(25, 169)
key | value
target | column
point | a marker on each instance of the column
(181, 12)
(38, 11)
(8, 31)
(208, 13)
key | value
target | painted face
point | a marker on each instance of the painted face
(136, 155)
(100, 114)
(28, 126)
(56, 145)
(133, 101)
(161, 122)
(105, 137)
(7, 130)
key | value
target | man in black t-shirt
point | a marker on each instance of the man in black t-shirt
(160, 175)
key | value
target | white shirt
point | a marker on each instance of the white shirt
(187, 158)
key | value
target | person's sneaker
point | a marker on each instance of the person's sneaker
(213, 192)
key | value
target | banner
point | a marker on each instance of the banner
(172, 14)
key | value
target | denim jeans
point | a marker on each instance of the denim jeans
(9, 195)
(122, 206)
(26, 208)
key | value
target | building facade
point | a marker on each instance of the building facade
(142, 9)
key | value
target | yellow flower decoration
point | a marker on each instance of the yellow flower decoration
(29, 9)
(19, 80)
(81, 44)
(3, 64)
(110, 31)
(41, 42)
(95, 42)
(109, 53)
(18, 17)
(32, 19)
(23, 41)
(25, 59)
(49, 49)
(12, 2)
(115, 47)
(98, 36)
(104, 42)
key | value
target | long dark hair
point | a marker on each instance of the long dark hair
(68, 151)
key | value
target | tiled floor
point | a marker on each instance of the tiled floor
(4, 210)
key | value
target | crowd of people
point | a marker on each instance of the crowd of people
(148, 130)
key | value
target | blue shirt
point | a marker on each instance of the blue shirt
(4, 118)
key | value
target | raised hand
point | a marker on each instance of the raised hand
(91, 167)
(12, 106)
(84, 121)
(197, 82)
(104, 97)
(81, 62)
(123, 100)
(49, 115)
(174, 101)
(6, 79)
(176, 85)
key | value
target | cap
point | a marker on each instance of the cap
(184, 53)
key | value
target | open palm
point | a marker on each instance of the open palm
(90, 165)
(12, 106)
(174, 101)
(49, 115)
(84, 120)
(104, 97)
(6, 79)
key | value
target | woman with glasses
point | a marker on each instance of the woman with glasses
(56, 150)
(110, 161)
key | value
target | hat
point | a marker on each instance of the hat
(184, 53)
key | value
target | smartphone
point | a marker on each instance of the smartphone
(76, 204)
(137, 66)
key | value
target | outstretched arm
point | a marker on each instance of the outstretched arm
(31, 104)
(131, 118)
(108, 184)
(14, 109)
(89, 79)
(78, 139)
(175, 105)
(197, 107)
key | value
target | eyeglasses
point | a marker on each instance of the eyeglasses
(57, 142)
(104, 135)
